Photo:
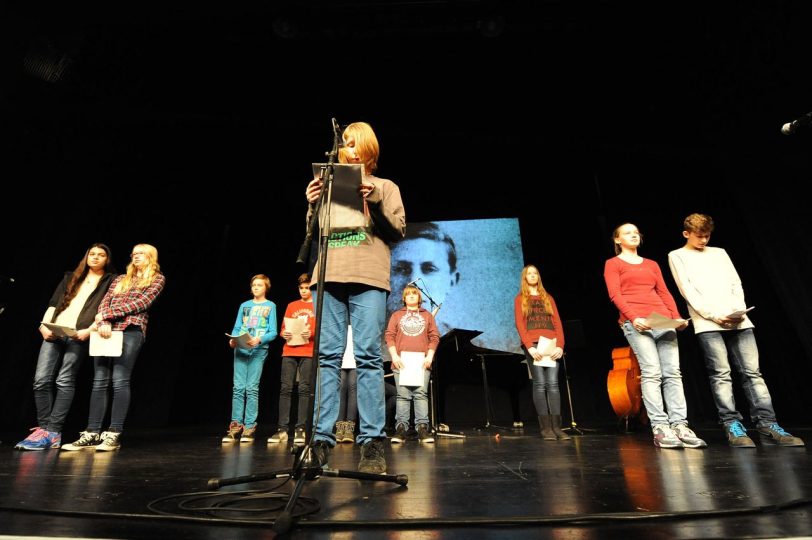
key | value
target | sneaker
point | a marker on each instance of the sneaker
(299, 436)
(40, 439)
(278, 437)
(664, 437)
(248, 434)
(341, 430)
(424, 434)
(372, 460)
(317, 455)
(233, 433)
(348, 433)
(400, 434)
(109, 442)
(87, 441)
(737, 436)
(775, 434)
(688, 437)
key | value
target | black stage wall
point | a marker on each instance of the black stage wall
(195, 132)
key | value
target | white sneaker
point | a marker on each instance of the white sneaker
(109, 442)
(664, 437)
(278, 437)
(688, 437)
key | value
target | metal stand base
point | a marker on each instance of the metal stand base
(439, 430)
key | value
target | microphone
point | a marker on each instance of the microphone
(791, 127)
(337, 133)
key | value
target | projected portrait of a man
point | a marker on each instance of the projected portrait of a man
(467, 268)
(427, 257)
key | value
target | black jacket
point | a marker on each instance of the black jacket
(91, 306)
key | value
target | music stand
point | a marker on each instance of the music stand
(462, 339)
(574, 331)
(456, 338)
(305, 464)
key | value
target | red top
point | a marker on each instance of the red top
(638, 289)
(295, 310)
(538, 322)
(414, 331)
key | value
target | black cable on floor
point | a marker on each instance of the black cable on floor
(430, 523)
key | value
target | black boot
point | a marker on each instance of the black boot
(561, 435)
(547, 433)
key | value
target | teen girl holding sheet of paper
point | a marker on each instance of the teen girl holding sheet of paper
(412, 333)
(537, 320)
(73, 305)
(124, 308)
(637, 288)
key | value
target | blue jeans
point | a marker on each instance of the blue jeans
(290, 365)
(546, 395)
(117, 370)
(365, 308)
(248, 365)
(408, 394)
(348, 408)
(737, 347)
(53, 407)
(657, 352)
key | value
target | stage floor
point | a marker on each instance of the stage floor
(602, 484)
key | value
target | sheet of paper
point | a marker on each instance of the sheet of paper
(295, 326)
(412, 372)
(347, 206)
(348, 362)
(242, 340)
(545, 347)
(60, 331)
(660, 322)
(740, 313)
(111, 346)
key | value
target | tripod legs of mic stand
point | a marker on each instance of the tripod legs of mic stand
(305, 467)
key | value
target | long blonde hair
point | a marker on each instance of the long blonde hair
(525, 292)
(148, 274)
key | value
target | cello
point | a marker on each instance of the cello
(623, 385)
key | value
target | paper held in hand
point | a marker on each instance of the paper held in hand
(242, 340)
(740, 313)
(60, 331)
(412, 372)
(112, 346)
(545, 347)
(656, 321)
(295, 326)
(346, 205)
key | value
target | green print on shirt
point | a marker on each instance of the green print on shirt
(348, 239)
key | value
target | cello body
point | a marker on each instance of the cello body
(623, 384)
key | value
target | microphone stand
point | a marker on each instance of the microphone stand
(439, 430)
(305, 464)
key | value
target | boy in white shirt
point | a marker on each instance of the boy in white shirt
(712, 289)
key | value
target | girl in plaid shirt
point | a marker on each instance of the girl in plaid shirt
(124, 308)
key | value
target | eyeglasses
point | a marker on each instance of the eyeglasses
(134, 253)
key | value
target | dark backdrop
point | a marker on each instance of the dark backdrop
(194, 131)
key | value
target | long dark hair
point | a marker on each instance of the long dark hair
(79, 275)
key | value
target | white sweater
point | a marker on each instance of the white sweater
(710, 285)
